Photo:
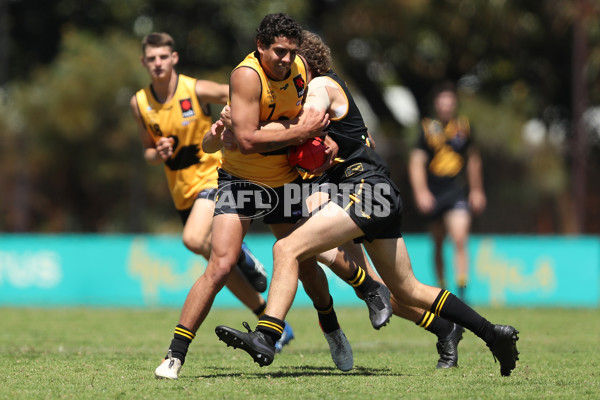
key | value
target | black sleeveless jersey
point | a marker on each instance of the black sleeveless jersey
(351, 135)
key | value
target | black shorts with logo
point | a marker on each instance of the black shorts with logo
(251, 200)
(369, 196)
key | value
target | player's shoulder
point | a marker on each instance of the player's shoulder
(323, 80)
(133, 101)
(250, 61)
(244, 75)
(186, 78)
(186, 81)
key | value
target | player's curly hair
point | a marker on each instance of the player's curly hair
(274, 25)
(316, 52)
(158, 39)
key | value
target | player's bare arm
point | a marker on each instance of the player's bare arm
(477, 199)
(245, 112)
(212, 92)
(211, 142)
(154, 153)
(418, 179)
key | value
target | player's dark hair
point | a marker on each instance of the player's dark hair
(445, 86)
(316, 53)
(436, 90)
(158, 39)
(275, 25)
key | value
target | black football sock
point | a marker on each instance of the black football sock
(439, 326)
(328, 318)
(182, 337)
(450, 307)
(361, 281)
(271, 327)
(260, 310)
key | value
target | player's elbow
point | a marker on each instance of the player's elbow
(246, 147)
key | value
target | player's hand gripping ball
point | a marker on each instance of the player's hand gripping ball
(309, 155)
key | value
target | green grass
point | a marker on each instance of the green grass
(111, 354)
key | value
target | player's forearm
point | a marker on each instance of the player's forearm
(474, 173)
(273, 137)
(416, 173)
(418, 180)
(211, 142)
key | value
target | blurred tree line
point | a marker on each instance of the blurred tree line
(528, 74)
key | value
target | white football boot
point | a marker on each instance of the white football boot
(169, 369)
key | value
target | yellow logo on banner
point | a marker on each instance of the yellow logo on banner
(155, 272)
(504, 274)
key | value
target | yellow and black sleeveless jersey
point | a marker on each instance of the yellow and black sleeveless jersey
(446, 147)
(278, 100)
(189, 170)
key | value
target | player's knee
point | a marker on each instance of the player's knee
(284, 248)
(200, 246)
(460, 242)
(219, 269)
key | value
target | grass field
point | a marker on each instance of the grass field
(111, 354)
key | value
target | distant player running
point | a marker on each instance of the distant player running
(446, 176)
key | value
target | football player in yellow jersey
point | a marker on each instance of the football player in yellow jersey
(270, 85)
(446, 177)
(172, 115)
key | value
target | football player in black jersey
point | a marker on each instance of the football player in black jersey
(446, 177)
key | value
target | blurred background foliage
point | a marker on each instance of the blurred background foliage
(528, 74)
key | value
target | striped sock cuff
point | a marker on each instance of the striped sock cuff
(327, 309)
(358, 278)
(439, 302)
(181, 332)
(270, 325)
(328, 318)
(426, 320)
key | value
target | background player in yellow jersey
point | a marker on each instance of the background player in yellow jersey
(446, 177)
(173, 114)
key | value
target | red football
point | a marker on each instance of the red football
(309, 155)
